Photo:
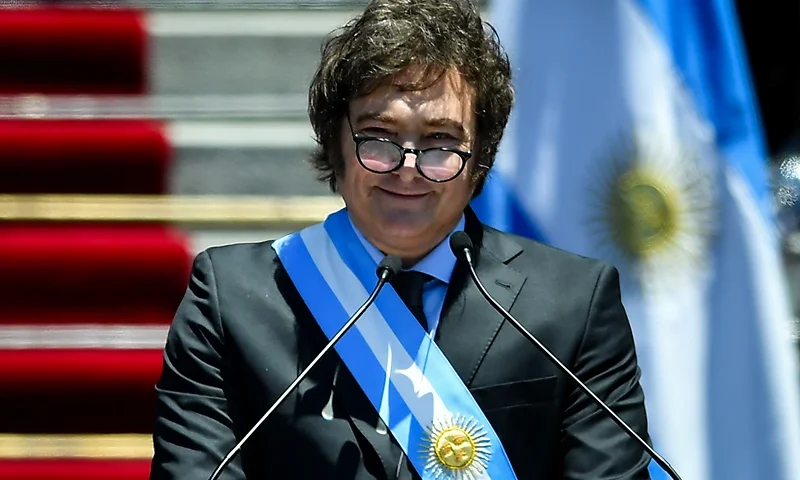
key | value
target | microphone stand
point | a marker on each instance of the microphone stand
(386, 270)
(467, 255)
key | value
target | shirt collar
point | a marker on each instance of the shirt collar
(439, 263)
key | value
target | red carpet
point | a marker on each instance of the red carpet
(84, 308)
(56, 277)
(74, 469)
(79, 276)
(91, 274)
(72, 51)
(79, 391)
(89, 371)
(44, 315)
(82, 156)
(90, 412)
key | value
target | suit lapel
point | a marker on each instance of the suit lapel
(469, 324)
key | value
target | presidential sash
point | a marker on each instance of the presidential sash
(417, 393)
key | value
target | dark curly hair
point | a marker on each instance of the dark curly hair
(386, 39)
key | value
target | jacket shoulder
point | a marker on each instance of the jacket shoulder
(537, 255)
(240, 251)
(241, 260)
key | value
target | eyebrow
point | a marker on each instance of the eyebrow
(447, 123)
(384, 117)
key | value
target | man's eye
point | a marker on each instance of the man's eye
(441, 136)
(378, 132)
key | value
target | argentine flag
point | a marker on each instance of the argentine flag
(635, 139)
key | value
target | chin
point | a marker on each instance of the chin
(404, 227)
(405, 219)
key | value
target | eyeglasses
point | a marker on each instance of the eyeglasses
(381, 155)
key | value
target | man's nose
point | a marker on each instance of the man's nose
(408, 172)
(409, 159)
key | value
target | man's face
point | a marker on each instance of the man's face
(403, 213)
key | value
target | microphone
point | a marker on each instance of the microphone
(462, 248)
(387, 269)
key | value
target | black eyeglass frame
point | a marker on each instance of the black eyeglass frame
(359, 139)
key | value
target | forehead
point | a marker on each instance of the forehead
(449, 96)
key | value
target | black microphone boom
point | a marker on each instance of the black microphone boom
(462, 248)
(387, 269)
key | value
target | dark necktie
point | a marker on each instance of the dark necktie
(409, 284)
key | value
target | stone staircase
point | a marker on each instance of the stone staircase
(223, 88)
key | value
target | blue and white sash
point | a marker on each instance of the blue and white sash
(417, 393)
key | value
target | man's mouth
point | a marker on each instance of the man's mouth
(401, 194)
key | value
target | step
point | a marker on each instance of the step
(83, 156)
(245, 171)
(75, 457)
(114, 51)
(243, 158)
(202, 210)
(64, 370)
(74, 469)
(186, 157)
(14, 446)
(234, 63)
(179, 155)
(239, 51)
(63, 273)
(71, 390)
(251, 107)
(206, 220)
(193, 47)
(98, 51)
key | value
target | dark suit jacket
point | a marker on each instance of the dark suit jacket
(242, 334)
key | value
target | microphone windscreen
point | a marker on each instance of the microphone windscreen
(460, 241)
(390, 264)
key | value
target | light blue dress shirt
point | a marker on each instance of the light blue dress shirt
(439, 264)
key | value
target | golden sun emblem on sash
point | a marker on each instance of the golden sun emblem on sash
(456, 448)
(656, 207)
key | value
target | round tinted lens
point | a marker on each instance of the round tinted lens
(440, 164)
(378, 156)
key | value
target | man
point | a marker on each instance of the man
(409, 104)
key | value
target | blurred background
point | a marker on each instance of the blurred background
(135, 133)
